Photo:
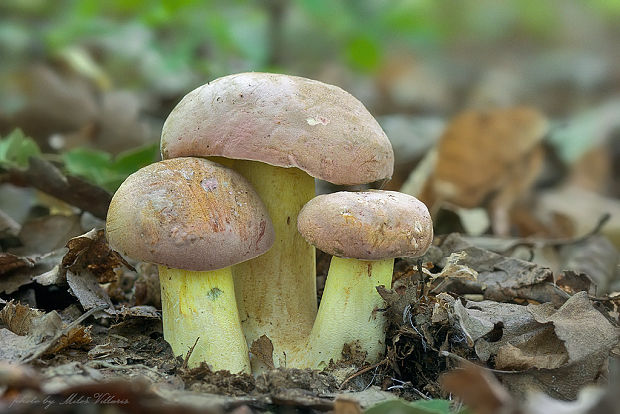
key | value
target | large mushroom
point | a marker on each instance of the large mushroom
(364, 232)
(280, 132)
(195, 219)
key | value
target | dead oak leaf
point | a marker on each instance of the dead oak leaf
(76, 336)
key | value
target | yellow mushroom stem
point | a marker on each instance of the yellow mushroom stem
(277, 291)
(350, 312)
(202, 305)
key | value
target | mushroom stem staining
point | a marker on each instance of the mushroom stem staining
(280, 125)
(364, 232)
(195, 219)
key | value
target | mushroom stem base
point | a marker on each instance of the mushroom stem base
(349, 313)
(202, 305)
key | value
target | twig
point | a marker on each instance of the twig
(467, 362)
(108, 365)
(362, 371)
(563, 241)
(189, 354)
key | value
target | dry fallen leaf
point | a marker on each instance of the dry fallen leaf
(555, 351)
(33, 332)
(18, 318)
(262, 349)
(487, 159)
(500, 278)
(10, 262)
(91, 253)
(479, 390)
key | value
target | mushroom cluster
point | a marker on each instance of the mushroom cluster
(266, 137)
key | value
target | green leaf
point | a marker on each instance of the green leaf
(16, 149)
(100, 168)
(364, 53)
(405, 407)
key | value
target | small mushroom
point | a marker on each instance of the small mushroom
(195, 219)
(280, 132)
(364, 231)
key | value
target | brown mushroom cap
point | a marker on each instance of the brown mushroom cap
(188, 213)
(369, 225)
(286, 121)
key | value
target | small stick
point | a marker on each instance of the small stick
(189, 353)
(363, 370)
(465, 361)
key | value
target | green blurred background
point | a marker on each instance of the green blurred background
(89, 79)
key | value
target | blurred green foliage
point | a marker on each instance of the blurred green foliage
(154, 39)
(163, 48)
(96, 166)
(104, 170)
(415, 407)
(16, 149)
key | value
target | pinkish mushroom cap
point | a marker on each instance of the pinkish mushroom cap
(188, 213)
(286, 121)
(369, 225)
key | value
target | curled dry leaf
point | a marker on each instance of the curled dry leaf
(10, 262)
(89, 262)
(19, 318)
(500, 278)
(454, 269)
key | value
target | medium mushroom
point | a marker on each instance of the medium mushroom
(364, 231)
(195, 219)
(279, 132)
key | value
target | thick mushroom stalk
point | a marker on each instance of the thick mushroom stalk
(370, 229)
(268, 287)
(195, 219)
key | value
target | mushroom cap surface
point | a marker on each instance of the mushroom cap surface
(368, 225)
(282, 120)
(188, 213)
